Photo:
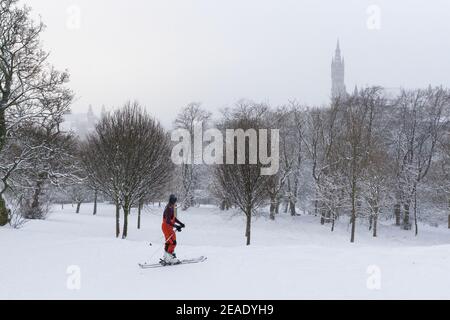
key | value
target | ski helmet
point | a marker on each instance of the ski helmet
(172, 199)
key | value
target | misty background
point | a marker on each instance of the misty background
(166, 54)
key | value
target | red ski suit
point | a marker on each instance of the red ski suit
(169, 219)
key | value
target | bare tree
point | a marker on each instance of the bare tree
(376, 185)
(54, 162)
(243, 184)
(421, 123)
(289, 121)
(28, 84)
(79, 193)
(319, 142)
(359, 112)
(128, 157)
(191, 118)
(441, 176)
(329, 194)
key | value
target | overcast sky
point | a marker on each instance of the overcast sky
(167, 53)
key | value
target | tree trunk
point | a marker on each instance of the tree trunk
(316, 204)
(292, 207)
(415, 213)
(322, 217)
(126, 212)
(78, 206)
(353, 221)
(370, 222)
(2, 126)
(277, 207)
(375, 223)
(36, 194)
(3, 212)
(117, 219)
(293, 199)
(352, 239)
(397, 213)
(125, 223)
(333, 219)
(141, 203)
(95, 202)
(272, 207)
(286, 206)
(248, 227)
(406, 223)
(448, 213)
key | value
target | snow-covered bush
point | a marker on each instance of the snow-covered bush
(16, 218)
(39, 212)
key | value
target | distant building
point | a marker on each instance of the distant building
(80, 123)
(338, 88)
(338, 74)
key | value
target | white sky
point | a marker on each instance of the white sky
(167, 53)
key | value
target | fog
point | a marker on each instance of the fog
(166, 54)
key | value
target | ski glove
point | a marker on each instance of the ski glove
(179, 228)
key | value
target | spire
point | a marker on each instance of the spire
(338, 73)
(337, 55)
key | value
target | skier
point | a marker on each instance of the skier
(170, 222)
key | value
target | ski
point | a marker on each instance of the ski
(159, 265)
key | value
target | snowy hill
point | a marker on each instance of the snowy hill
(291, 258)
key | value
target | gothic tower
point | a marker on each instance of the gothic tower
(337, 74)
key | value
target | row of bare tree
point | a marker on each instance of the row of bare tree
(366, 154)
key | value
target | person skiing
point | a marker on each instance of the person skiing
(170, 222)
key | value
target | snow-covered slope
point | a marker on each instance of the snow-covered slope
(291, 258)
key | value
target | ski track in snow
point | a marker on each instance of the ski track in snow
(291, 258)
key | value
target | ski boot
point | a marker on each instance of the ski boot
(169, 259)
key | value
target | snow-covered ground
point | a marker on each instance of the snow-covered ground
(291, 258)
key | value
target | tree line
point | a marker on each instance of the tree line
(365, 156)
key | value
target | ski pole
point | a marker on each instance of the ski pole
(157, 250)
(161, 238)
